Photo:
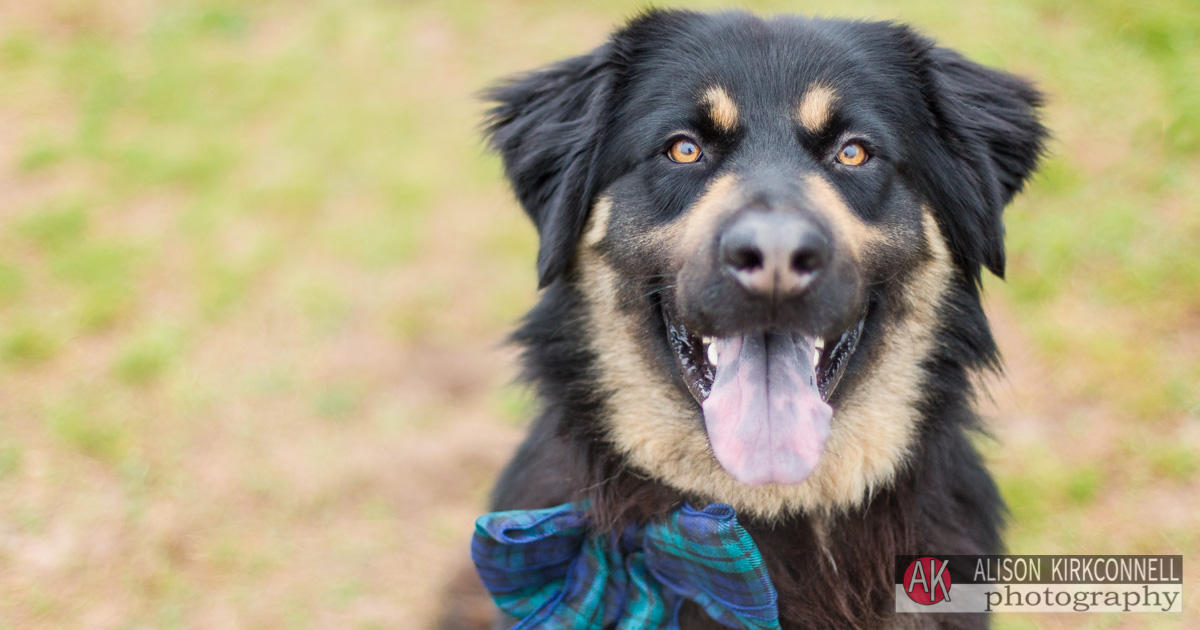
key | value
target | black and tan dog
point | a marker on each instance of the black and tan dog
(761, 248)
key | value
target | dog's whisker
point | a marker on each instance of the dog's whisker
(583, 317)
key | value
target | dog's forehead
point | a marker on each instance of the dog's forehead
(755, 66)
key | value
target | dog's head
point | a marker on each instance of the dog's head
(776, 228)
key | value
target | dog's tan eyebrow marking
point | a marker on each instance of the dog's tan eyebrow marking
(721, 108)
(816, 107)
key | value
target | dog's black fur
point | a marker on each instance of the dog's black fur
(958, 138)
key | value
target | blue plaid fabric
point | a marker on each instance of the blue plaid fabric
(549, 569)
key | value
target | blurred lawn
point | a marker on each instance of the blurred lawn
(255, 268)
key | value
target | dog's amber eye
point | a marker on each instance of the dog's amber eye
(852, 154)
(684, 151)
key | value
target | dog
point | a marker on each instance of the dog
(760, 259)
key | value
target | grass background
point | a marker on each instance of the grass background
(255, 268)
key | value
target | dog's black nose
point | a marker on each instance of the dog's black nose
(773, 254)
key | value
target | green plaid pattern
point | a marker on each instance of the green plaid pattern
(549, 569)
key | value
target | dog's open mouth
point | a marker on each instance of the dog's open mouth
(764, 396)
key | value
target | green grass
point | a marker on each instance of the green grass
(146, 357)
(89, 431)
(10, 459)
(53, 228)
(253, 256)
(26, 343)
(337, 403)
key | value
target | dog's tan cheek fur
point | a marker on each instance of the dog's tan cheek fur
(686, 235)
(597, 226)
(682, 238)
(849, 230)
(660, 432)
(642, 404)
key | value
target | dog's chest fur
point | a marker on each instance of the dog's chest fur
(832, 571)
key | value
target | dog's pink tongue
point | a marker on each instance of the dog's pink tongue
(765, 417)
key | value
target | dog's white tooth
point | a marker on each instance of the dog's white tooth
(706, 340)
(820, 344)
(816, 358)
(712, 355)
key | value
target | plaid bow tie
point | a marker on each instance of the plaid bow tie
(548, 569)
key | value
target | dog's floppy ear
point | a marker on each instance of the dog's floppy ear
(546, 126)
(988, 141)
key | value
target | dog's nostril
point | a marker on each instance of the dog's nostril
(745, 258)
(806, 261)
